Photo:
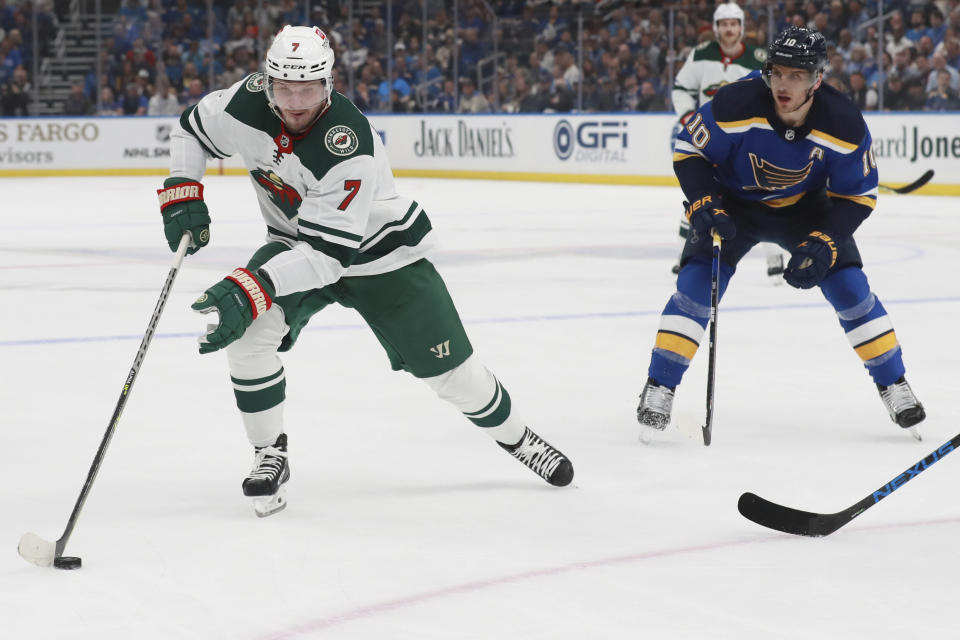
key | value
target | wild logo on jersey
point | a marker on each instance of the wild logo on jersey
(281, 194)
(712, 89)
(770, 177)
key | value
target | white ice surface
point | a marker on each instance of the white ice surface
(406, 522)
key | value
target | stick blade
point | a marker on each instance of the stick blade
(36, 550)
(787, 519)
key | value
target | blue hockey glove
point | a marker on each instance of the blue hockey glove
(184, 211)
(708, 213)
(811, 260)
(238, 299)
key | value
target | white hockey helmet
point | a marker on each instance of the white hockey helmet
(727, 10)
(299, 54)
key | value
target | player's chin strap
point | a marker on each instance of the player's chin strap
(812, 90)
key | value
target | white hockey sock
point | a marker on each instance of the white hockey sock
(264, 427)
(476, 392)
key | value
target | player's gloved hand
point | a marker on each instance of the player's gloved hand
(810, 260)
(238, 299)
(184, 211)
(708, 213)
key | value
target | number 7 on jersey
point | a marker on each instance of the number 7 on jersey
(353, 186)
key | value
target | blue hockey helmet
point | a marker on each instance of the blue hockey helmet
(798, 47)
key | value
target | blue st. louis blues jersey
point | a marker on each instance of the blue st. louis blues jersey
(736, 145)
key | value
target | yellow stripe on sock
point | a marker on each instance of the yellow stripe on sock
(877, 347)
(677, 344)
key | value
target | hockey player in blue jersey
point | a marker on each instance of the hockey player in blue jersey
(778, 157)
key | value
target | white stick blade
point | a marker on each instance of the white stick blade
(35, 549)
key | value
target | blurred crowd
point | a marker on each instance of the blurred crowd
(19, 28)
(161, 56)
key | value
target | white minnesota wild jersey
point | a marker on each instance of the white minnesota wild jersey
(707, 69)
(328, 194)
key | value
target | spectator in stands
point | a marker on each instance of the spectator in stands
(471, 100)
(519, 91)
(15, 94)
(894, 93)
(918, 25)
(10, 57)
(446, 102)
(193, 93)
(164, 102)
(569, 71)
(836, 21)
(845, 44)
(364, 99)
(901, 64)
(399, 85)
(649, 99)
(937, 27)
(837, 70)
(896, 37)
(925, 47)
(952, 51)
(133, 103)
(916, 99)
(858, 60)
(77, 103)
(605, 98)
(939, 63)
(109, 105)
(862, 95)
(238, 39)
(231, 74)
(943, 97)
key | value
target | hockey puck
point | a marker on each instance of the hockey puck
(66, 562)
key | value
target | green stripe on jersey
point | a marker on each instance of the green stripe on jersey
(283, 234)
(185, 123)
(344, 255)
(330, 230)
(409, 237)
(196, 114)
(395, 223)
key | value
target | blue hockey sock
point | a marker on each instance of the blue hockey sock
(866, 323)
(683, 321)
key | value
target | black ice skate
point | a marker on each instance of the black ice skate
(656, 404)
(265, 482)
(902, 405)
(537, 454)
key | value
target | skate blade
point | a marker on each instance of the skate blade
(916, 434)
(265, 506)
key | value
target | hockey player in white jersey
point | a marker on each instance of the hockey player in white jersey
(709, 66)
(337, 231)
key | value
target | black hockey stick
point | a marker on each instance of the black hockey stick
(804, 523)
(43, 553)
(712, 362)
(913, 186)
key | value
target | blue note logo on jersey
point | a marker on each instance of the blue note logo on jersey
(770, 177)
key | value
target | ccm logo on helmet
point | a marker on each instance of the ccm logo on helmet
(294, 66)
